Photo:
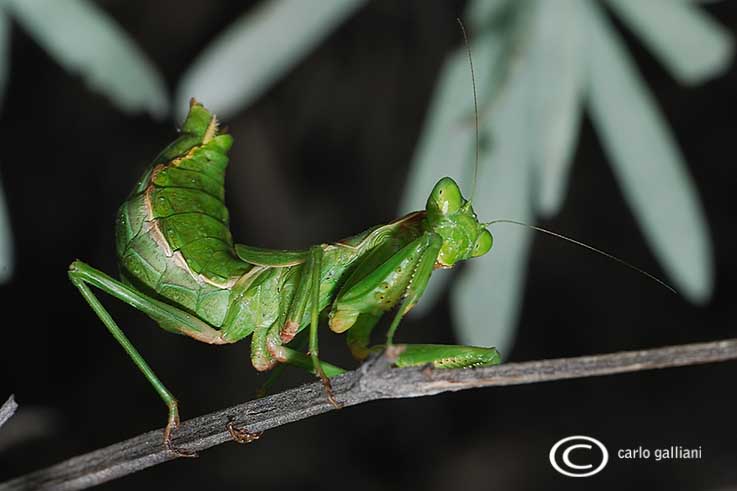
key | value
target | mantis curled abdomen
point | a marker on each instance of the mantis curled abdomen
(172, 233)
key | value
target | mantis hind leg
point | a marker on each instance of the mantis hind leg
(169, 317)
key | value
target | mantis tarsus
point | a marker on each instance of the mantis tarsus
(179, 266)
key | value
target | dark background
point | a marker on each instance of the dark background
(322, 155)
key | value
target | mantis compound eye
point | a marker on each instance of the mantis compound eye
(483, 244)
(446, 198)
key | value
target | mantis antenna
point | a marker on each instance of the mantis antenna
(533, 227)
(475, 108)
(586, 246)
(515, 222)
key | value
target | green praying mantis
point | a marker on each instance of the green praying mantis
(180, 266)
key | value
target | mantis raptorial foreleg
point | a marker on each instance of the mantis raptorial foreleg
(174, 319)
(404, 274)
(418, 282)
(437, 355)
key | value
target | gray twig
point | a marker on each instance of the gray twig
(375, 379)
(7, 410)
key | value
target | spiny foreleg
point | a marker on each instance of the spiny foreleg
(403, 276)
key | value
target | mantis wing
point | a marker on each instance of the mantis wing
(270, 257)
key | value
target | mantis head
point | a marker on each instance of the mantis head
(452, 217)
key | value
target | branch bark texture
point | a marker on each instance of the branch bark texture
(7, 410)
(374, 380)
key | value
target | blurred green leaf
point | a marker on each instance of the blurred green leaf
(685, 39)
(85, 40)
(257, 49)
(487, 298)
(482, 12)
(556, 53)
(647, 161)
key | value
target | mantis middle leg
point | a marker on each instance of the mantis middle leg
(307, 294)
